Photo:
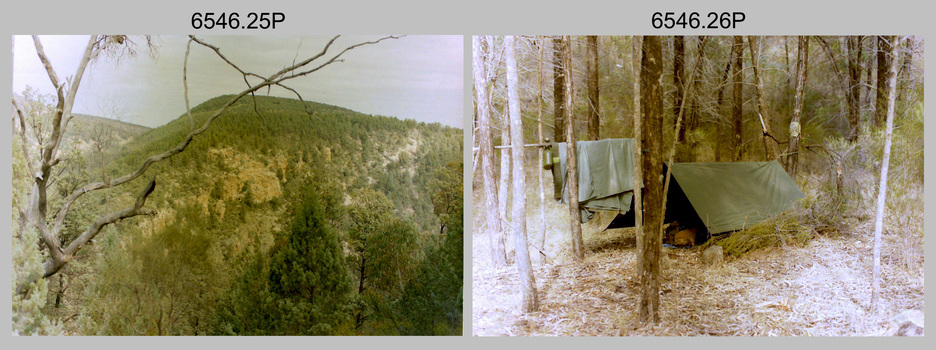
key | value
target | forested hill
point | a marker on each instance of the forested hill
(262, 213)
(294, 139)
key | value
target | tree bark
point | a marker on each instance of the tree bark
(559, 113)
(882, 188)
(594, 109)
(652, 131)
(883, 76)
(679, 56)
(485, 140)
(578, 250)
(527, 282)
(795, 128)
(737, 52)
(771, 147)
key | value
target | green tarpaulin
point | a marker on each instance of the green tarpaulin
(732, 196)
(721, 196)
(605, 172)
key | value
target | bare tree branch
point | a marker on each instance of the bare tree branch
(52, 266)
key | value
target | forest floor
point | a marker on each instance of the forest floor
(822, 288)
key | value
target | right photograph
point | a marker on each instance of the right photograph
(698, 185)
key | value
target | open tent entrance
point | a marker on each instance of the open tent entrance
(678, 209)
(716, 198)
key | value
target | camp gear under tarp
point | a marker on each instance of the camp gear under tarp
(721, 197)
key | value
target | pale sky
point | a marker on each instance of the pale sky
(414, 77)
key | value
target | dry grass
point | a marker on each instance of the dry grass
(817, 288)
(820, 289)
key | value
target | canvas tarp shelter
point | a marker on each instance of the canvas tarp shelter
(605, 172)
(722, 197)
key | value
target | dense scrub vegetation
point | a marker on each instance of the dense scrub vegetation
(261, 229)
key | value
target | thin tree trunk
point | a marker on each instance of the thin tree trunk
(539, 138)
(594, 109)
(905, 71)
(503, 191)
(638, 173)
(737, 89)
(578, 250)
(854, 86)
(485, 140)
(679, 56)
(558, 90)
(795, 129)
(786, 63)
(524, 267)
(719, 125)
(771, 147)
(882, 189)
(652, 163)
(868, 86)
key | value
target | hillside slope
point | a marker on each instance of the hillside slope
(227, 203)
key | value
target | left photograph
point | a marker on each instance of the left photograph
(237, 185)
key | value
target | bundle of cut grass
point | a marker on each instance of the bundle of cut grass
(778, 231)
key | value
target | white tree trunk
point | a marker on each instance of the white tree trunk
(527, 282)
(882, 189)
(503, 192)
(486, 153)
(539, 138)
